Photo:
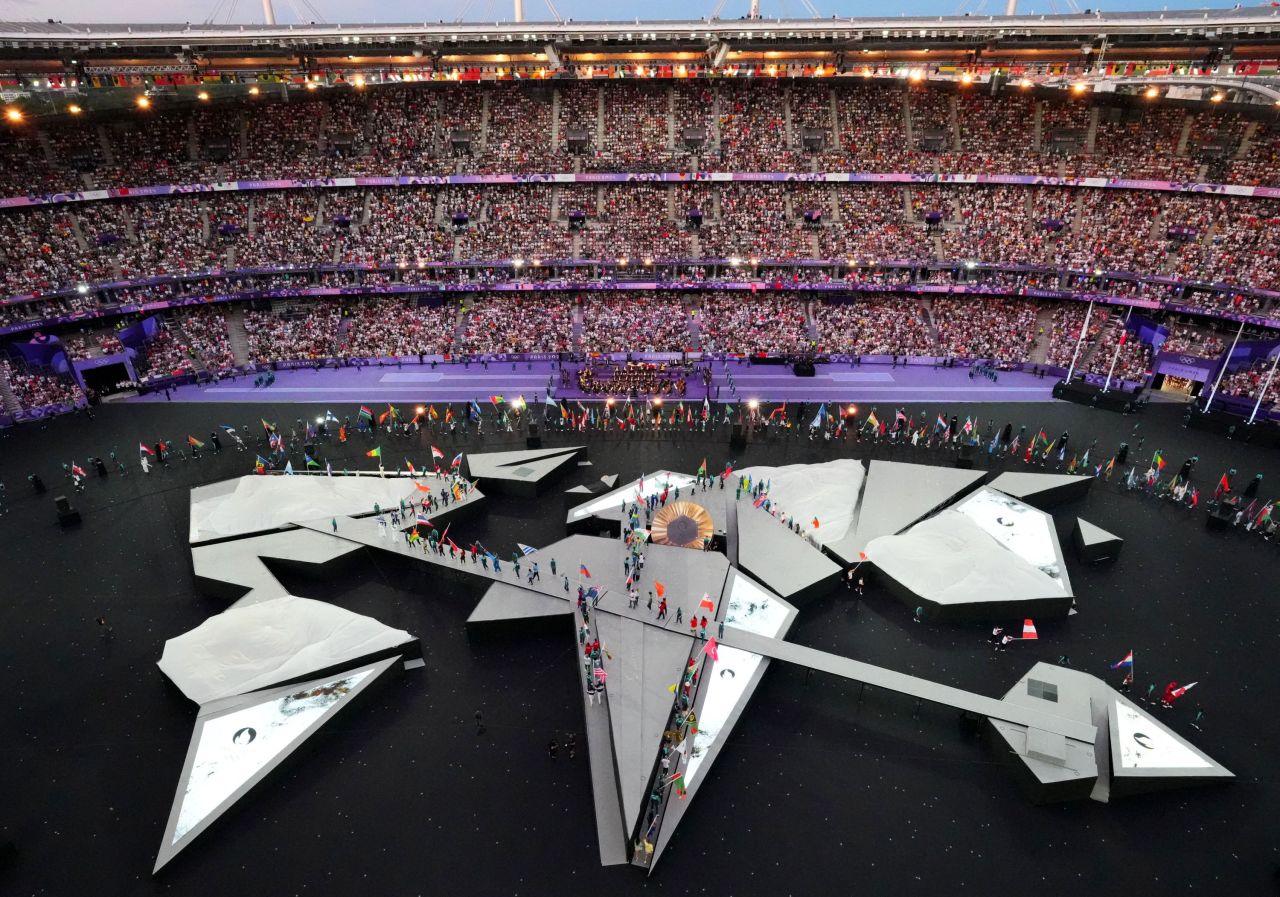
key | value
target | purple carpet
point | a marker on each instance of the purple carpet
(768, 383)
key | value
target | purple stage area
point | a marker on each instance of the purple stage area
(773, 383)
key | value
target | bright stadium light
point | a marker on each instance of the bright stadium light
(1079, 87)
(143, 102)
(74, 109)
(82, 288)
(853, 410)
(1152, 93)
(253, 91)
(14, 115)
(1217, 98)
(203, 96)
(966, 78)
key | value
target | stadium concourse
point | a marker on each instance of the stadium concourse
(484, 302)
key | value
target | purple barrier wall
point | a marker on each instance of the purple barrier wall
(653, 177)
(1188, 367)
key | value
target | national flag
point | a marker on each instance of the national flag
(1182, 690)
(707, 604)
(457, 460)
(660, 589)
(448, 413)
(260, 465)
(1111, 466)
(374, 453)
(366, 413)
(968, 425)
(1029, 631)
(702, 468)
(497, 400)
(423, 520)
(311, 462)
(525, 549)
(409, 464)
(1126, 662)
(77, 469)
(711, 649)
(821, 417)
(728, 470)
(228, 429)
(601, 674)
(583, 571)
(940, 424)
(432, 413)
(1224, 485)
(436, 454)
(145, 449)
(422, 487)
(288, 468)
(1158, 460)
(330, 416)
(267, 425)
(475, 410)
(872, 421)
(780, 410)
(862, 556)
(815, 523)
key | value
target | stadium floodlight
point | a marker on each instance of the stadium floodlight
(13, 115)
(753, 404)
(74, 109)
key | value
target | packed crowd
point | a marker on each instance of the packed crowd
(1191, 340)
(32, 390)
(517, 324)
(398, 328)
(206, 333)
(873, 325)
(634, 323)
(301, 332)
(1247, 383)
(990, 329)
(408, 129)
(1132, 361)
(749, 326)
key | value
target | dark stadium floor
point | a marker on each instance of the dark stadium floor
(816, 793)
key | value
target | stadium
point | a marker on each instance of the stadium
(879, 340)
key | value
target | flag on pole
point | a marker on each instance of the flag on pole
(707, 604)
(1029, 631)
(525, 549)
(871, 422)
(1224, 485)
(423, 520)
(311, 462)
(267, 425)
(497, 400)
(457, 460)
(366, 413)
(702, 468)
(374, 453)
(436, 454)
(1126, 662)
(475, 410)
(194, 443)
(422, 488)
(583, 571)
(712, 651)
(260, 465)
(77, 469)
(1182, 690)
(660, 589)
(145, 449)
(1158, 460)
(409, 464)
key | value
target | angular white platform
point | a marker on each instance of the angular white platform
(895, 496)
(239, 742)
(1042, 490)
(990, 557)
(256, 504)
(255, 646)
(524, 473)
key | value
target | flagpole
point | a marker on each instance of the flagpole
(1271, 373)
(1080, 340)
(1213, 394)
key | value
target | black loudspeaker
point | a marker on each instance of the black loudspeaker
(534, 439)
(67, 515)
(965, 459)
(738, 438)
(804, 369)
(1219, 519)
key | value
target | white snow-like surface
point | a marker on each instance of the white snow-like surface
(950, 559)
(827, 491)
(258, 645)
(258, 503)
